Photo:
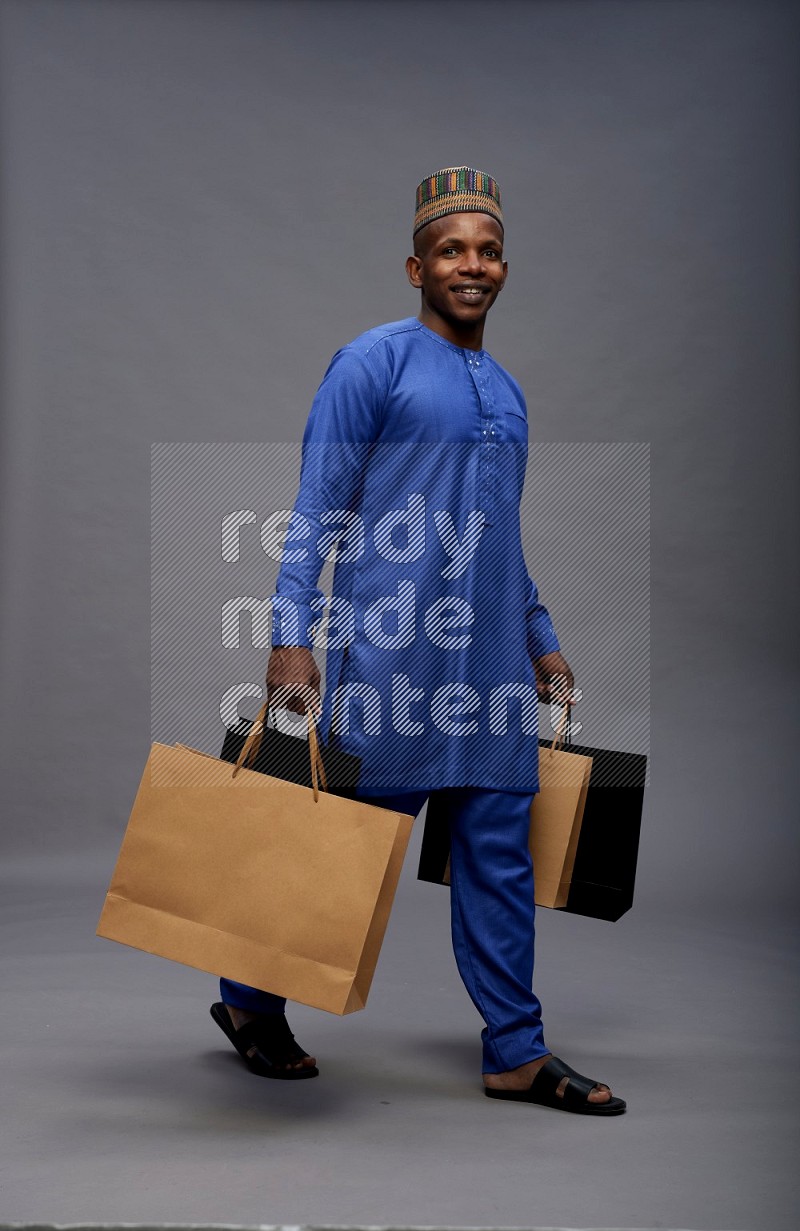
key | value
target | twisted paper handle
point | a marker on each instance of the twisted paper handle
(564, 722)
(253, 742)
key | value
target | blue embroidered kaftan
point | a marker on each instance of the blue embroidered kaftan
(414, 458)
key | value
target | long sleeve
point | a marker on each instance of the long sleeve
(343, 422)
(542, 637)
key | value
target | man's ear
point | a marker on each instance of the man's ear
(413, 264)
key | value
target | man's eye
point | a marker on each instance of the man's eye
(491, 252)
(446, 250)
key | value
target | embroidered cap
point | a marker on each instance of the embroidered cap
(456, 190)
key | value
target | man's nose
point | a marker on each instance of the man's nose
(471, 263)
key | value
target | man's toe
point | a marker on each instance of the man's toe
(600, 1094)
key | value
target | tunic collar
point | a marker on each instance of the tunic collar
(461, 350)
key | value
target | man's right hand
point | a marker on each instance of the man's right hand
(293, 678)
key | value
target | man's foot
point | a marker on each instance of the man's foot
(240, 1017)
(521, 1078)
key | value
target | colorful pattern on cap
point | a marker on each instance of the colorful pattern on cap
(456, 190)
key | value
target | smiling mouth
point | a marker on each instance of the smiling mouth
(470, 292)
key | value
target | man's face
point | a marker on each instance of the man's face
(458, 264)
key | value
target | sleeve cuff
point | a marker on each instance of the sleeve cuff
(542, 640)
(292, 623)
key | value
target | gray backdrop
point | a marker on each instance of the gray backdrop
(202, 201)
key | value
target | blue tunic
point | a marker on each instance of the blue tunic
(412, 470)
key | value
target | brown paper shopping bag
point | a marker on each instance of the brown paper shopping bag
(556, 815)
(256, 879)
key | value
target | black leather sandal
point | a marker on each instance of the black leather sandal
(543, 1088)
(274, 1042)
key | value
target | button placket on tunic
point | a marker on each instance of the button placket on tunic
(488, 463)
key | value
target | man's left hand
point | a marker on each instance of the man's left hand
(554, 680)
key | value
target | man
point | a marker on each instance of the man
(413, 463)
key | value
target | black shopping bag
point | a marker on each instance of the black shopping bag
(604, 875)
(287, 756)
(608, 846)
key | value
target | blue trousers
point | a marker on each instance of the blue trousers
(492, 919)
